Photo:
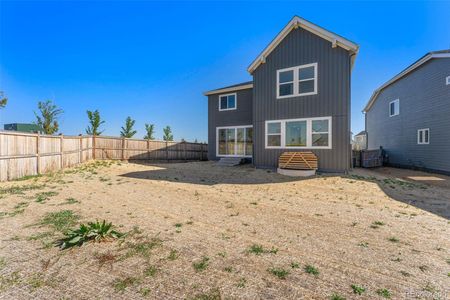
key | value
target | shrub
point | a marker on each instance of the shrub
(92, 231)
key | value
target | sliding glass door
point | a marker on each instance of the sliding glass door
(235, 141)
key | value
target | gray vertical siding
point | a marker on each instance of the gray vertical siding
(333, 99)
(424, 103)
(241, 116)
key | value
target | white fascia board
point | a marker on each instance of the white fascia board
(297, 22)
(402, 74)
(230, 89)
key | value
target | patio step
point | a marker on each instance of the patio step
(230, 161)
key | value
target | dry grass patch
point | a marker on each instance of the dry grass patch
(207, 232)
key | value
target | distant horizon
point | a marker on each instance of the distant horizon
(155, 64)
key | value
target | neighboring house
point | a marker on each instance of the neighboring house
(409, 116)
(299, 100)
(360, 141)
(23, 127)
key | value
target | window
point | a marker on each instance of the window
(296, 134)
(274, 134)
(299, 133)
(234, 141)
(447, 80)
(297, 81)
(227, 102)
(394, 108)
(423, 136)
(319, 133)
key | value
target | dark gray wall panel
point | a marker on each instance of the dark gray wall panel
(333, 99)
(241, 116)
(424, 103)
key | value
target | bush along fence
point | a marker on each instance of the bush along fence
(25, 154)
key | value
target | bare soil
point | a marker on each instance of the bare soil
(201, 231)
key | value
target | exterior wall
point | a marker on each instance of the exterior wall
(424, 103)
(333, 98)
(242, 115)
(360, 142)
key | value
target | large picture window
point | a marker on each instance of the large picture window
(297, 81)
(235, 141)
(227, 102)
(313, 133)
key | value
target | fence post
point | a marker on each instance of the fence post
(80, 157)
(184, 150)
(61, 161)
(167, 151)
(38, 154)
(123, 148)
(148, 149)
(93, 147)
(201, 151)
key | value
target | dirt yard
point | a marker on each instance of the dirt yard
(200, 231)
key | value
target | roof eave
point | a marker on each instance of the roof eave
(229, 89)
(402, 74)
(297, 22)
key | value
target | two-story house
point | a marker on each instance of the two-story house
(409, 115)
(299, 100)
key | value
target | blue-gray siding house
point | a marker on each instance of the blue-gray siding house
(409, 116)
(298, 100)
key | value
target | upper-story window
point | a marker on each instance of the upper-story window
(423, 136)
(394, 108)
(297, 81)
(227, 102)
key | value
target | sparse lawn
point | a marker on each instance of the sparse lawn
(199, 231)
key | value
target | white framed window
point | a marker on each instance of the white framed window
(227, 102)
(423, 136)
(297, 81)
(447, 80)
(394, 108)
(234, 141)
(311, 133)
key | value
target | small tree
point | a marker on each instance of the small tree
(48, 118)
(168, 136)
(95, 123)
(150, 129)
(3, 100)
(128, 131)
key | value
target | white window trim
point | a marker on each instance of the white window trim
(235, 137)
(423, 141)
(447, 80)
(308, 134)
(235, 101)
(296, 81)
(397, 112)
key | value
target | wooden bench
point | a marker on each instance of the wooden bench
(298, 161)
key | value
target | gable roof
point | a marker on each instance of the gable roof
(231, 88)
(296, 22)
(409, 69)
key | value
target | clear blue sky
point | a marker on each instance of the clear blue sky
(153, 60)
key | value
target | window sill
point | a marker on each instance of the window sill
(299, 95)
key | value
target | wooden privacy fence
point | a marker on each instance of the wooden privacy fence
(23, 154)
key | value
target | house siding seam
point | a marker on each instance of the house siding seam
(424, 103)
(242, 115)
(333, 99)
